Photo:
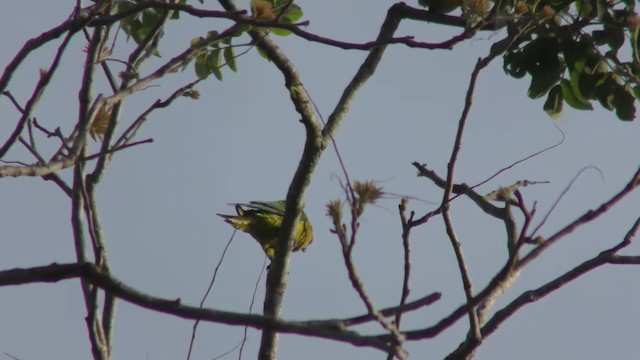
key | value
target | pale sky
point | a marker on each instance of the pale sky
(242, 141)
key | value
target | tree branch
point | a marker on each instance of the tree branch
(333, 330)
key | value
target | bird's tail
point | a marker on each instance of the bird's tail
(238, 222)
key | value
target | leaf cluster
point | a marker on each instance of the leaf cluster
(576, 55)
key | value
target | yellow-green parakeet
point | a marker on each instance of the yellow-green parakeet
(263, 219)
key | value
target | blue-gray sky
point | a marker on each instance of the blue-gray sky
(242, 141)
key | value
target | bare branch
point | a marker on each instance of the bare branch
(531, 296)
(455, 243)
(89, 272)
(73, 25)
(406, 232)
(391, 311)
(100, 345)
(583, 219)
(45, 77)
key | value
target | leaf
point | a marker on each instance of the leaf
(605, 92)
(553, 105)
(540, 85)
(150, 19)
(213, 61)
(230, 58)
(293, 13)
(139, 25)
(542, 55)
(624, 103)
(613, 37)
(575, 87)
(515, 64)
(213, 36)
(601, 6)
(201, 67)
(587, 85)
(584, 8)
(263, 54)
(197, 42)
(571, 98)
(281, 32)
(576, 51)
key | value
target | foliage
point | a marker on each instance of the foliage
(574, 52)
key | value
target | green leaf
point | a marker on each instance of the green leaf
(576, 51)
(540, 85)
(201, 67)
(293, 14)
(213, 36)
(553, 105)
(604, 92)
(281, 32)
(139, 25)
(197, 42)
(542, 55)
(150, 18)
(571, 98)
(587, 84)
(213, 61)
(602, 7)
(230, 58)
(576, 89)
(584, 8)
(263, 54)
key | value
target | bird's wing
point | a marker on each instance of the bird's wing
(270, 207)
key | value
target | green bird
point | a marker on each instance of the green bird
(263, 219)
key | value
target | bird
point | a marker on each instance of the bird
(263, 219)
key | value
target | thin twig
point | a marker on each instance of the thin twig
(588, 216)
(562, 194)
(406, 231)
(206, 294)
(253, 299)
(347, 243)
